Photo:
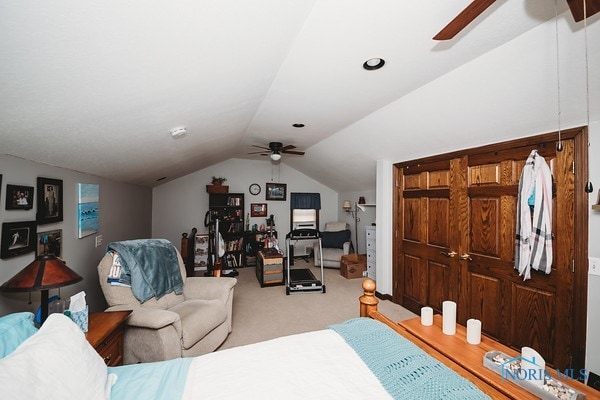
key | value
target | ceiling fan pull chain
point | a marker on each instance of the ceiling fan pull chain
(589, 188)
(559, 145)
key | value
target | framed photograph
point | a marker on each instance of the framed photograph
(17, 238)
(49, 200)
(19, 197)
(88, 209)
(49, 242)
(258, 209)
(276, 191)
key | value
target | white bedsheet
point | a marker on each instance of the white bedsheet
(313, 365)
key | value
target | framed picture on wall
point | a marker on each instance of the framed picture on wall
(17, 238)
(276, 191)
(88, 209)
(19, 197)
(49, 200)
(49, 242)
(258, 209)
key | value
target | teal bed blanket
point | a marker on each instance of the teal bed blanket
(157, 380)
(404, 370)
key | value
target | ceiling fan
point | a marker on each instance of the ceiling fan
(276, 149)
(477, 7)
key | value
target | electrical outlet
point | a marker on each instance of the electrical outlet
(594, 266)
(98, 240)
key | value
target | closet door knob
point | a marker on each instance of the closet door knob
(449, 254)
(466, 257)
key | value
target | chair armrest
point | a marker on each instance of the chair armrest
(347, 247)
(208, 288)
(153, 318)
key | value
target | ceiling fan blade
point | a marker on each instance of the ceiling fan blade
(261, 147)
(260, 152)
(299, 153)
(463, 19)
(576, 6)
(288, 147)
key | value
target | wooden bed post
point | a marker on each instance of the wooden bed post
(368, 301)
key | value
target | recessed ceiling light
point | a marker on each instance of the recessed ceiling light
(177, 133)
(373, 64)
(298, 125)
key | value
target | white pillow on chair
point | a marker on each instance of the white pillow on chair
(57, 362)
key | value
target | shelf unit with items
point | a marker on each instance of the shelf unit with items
(226, 211)
(255, 241)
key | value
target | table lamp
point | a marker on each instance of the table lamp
(45, 272)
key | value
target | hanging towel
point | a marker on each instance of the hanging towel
(534, 232)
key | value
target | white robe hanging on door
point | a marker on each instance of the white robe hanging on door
(534, 233)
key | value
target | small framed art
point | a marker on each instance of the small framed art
(19, 197)
(17, 238)
(49, 200)
(276, 191)
(49, 242)
(258, 209)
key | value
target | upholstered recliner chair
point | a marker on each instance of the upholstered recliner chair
(192, 323)
(335, 241)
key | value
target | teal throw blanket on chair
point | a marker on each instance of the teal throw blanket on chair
(149, 266)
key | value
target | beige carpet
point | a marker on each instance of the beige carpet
(266, 313)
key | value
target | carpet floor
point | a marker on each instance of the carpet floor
(266, 313)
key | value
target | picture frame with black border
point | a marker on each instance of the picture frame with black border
(258, 209)
(19, 197)
(276, 191)
(49, 242)
(17, 238)
(49, 200)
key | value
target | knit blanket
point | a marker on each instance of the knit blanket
(149, 266)
(404, 370)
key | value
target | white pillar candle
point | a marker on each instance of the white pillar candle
(449, 317)
(426, 316)
(473, 331)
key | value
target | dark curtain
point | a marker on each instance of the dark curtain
(305, 201)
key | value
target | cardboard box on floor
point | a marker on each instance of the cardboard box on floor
(353, 265)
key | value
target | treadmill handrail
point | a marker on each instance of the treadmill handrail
(303, 234)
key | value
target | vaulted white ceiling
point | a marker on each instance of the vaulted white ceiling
(96, 86)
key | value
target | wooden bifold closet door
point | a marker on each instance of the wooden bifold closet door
(454, 222)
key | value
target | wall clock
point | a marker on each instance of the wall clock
(254, 189)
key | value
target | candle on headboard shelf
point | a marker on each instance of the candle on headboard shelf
(449, 317)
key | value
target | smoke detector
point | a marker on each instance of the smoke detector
(178, 133)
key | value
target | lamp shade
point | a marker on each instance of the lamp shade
(45, 272)
(346, 205)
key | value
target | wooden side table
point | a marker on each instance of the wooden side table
(105, 334)
(269, 268)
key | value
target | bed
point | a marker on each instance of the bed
(364, 358)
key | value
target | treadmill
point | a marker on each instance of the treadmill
(302, 280)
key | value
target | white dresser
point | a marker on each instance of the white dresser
(370, 240)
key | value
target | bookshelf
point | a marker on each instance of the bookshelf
(228, 209)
